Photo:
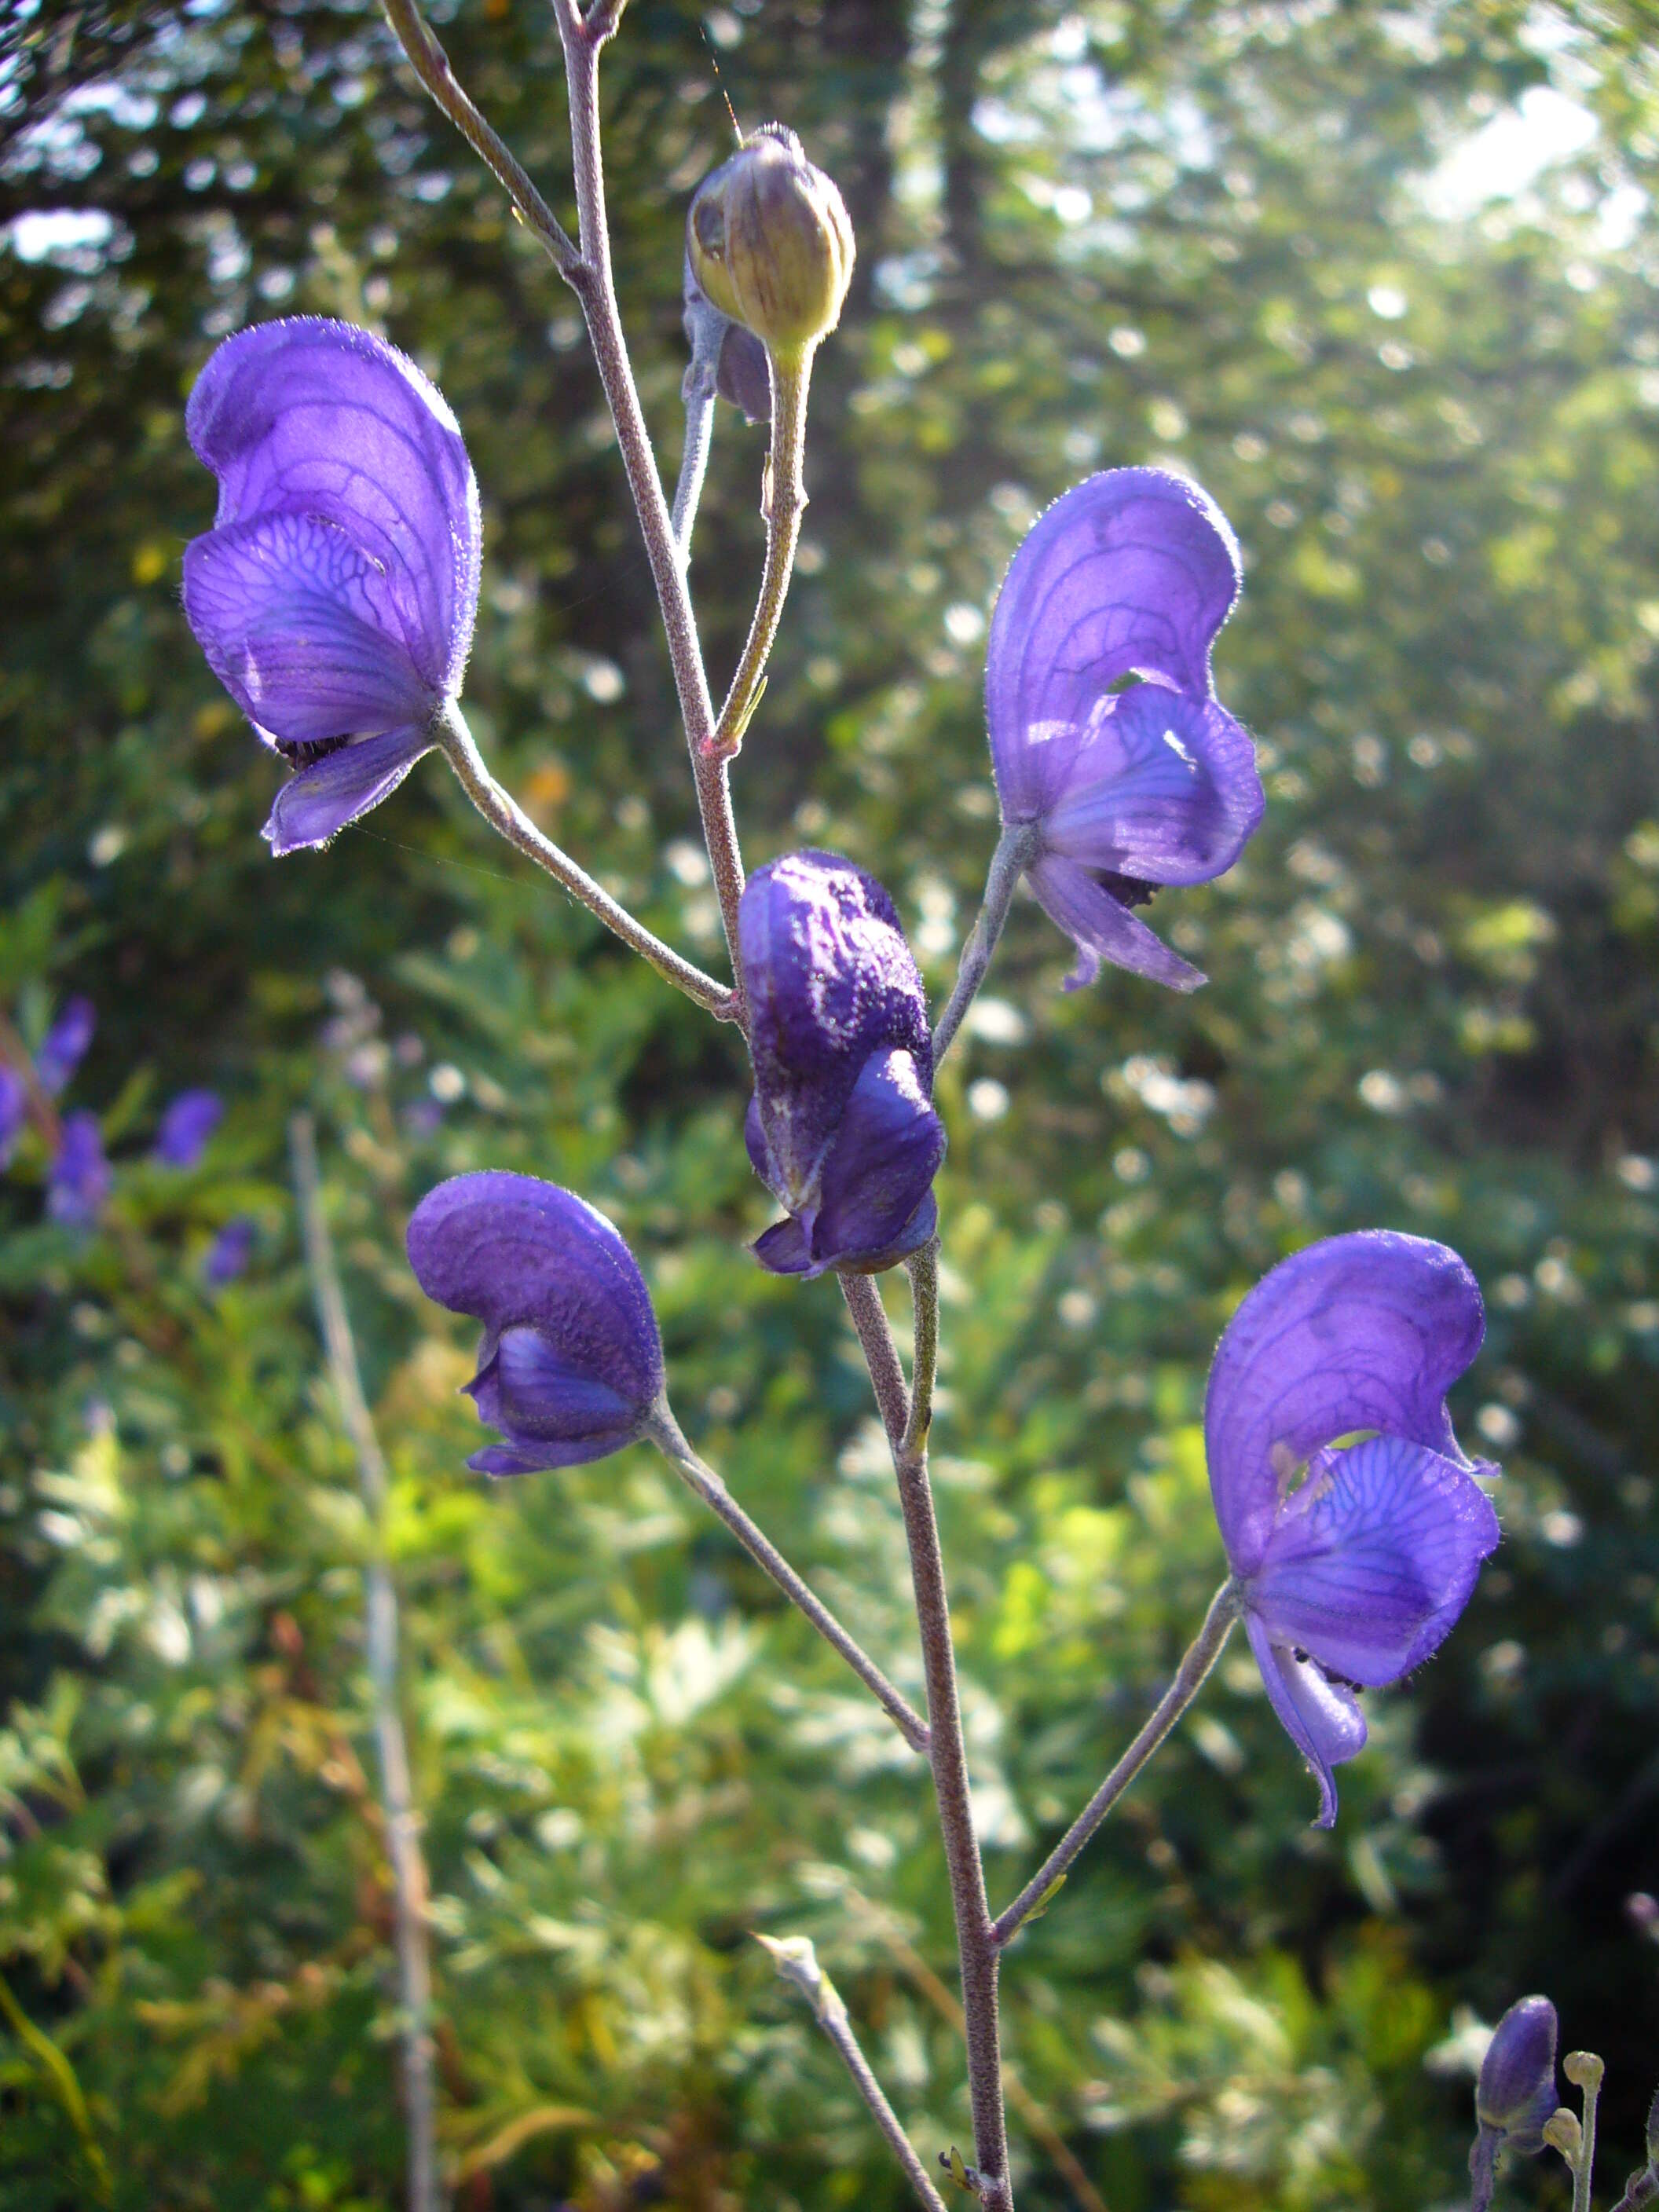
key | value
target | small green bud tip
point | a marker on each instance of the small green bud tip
(1584, 2069)
(1562, 2132)
(771, 243)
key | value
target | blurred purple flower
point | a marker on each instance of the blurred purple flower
(188, 1122)
(570, 1367)
(64, 1045)
(230, 1253)
(841, 1128)
(13, 1111)
(335, 595)
(1131, 574)
(1354, 1563)
(79, 1181)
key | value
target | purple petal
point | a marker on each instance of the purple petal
(297, 623)
(881, 1166)
(64, 1046)
(520, 1253)
(1372, 1561)
(306, 416)
(1321, 1719)
(13, 1112)
(556, 1412)
(317, 804)
(1132, 573)
(229, 1254)
(1163, 788)
(79, 1180)
(1363, 1331)
(1103, 928)
(830, 981)
(783, 1249)
(186, 1126)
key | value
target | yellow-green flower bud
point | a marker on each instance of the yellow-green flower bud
(770, 242)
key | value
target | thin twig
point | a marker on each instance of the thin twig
(665, 1433)
(782, 504)
(431, 64)
(503, 813)
(796, 1962)
(1015, 848)
(976, 1948)
(409, 1884)
(922, 1268)
(1205, 1650)
(707, 328)
(66, 2088)
(598, 295)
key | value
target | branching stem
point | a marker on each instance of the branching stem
(503, 813)
(1205, 1650)
(1015, 849)
(976, 1948)
(783, 503)
(666, 1434)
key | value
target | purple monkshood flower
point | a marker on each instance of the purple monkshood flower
(841, 1128)
(1132, 574)
(570, 1367)
(64, 1045)
(227, 1257)
(1353, 1561)
(335, 595)
(79, 1182)
(188, 1122)
(1515, 2092)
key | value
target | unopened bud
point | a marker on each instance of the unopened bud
(1515, 2092)
(1584, 2069)
(1562, 2132)
(770, 242)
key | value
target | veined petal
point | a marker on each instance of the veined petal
(518, 1253)
(79, 1181)
(881, 1166)
(1163, 788)
(548, 1407)
(1323, 1720)
(783, 1249)
(317, 804)
(1363, 1331)
(309, 416)
(1103, 928)
(296, 623)
(1372, 1561)
(1132, 573)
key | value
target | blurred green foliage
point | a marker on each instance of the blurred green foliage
(1317, 256)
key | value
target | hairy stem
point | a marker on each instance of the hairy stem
(1483, 2167)
(922, 1268)
(976, 1946)
(665, 1433)
(699, 391)
(1202, 1656)
(431, 64)
(1015, 849)
(1584, 2172)
(595, 288)
(408, 1885)
(504, 814)
(783, 504)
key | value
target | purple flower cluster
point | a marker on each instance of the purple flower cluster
(335, 595)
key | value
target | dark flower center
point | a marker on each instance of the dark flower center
(304, 752)
(1128, 890)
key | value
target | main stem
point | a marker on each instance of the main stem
(408, 1886)
(783, 505)
(1205, 1650)
(503, 813)
(595, 286)
(947, 1752)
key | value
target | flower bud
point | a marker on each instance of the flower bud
(770, 242)
(1516, 2092)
